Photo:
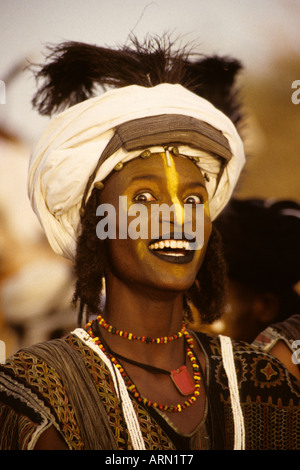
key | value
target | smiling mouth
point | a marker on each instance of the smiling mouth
(172, 251)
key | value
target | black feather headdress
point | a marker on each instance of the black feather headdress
(74, 70)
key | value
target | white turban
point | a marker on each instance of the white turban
(69, 150)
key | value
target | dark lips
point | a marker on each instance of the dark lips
(186, 255)
(186, 258)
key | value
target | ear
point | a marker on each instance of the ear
(265, 308)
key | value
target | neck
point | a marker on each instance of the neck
(144, 313)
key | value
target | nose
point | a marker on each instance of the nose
(172, 179)
(178, 212)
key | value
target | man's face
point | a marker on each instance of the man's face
(161, 261)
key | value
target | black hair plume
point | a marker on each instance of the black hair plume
(74, 70)
(213, 78)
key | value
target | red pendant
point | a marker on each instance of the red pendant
(183, 381)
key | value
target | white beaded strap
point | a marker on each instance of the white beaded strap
(128, 410)
(238, 419)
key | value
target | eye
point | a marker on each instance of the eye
(193, 199)
(144, 197)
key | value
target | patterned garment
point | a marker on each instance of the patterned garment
(33, 396)
(287, 331)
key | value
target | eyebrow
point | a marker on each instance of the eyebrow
(158, 178)
(197, 183)
(144, 177)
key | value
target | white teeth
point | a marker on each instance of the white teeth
(173, 244)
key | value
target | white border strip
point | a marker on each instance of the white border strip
(238, 419)
(129, 413)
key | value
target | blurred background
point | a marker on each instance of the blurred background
(35, 285)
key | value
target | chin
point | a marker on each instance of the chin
(173, 283)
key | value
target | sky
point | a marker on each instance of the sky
(252, 30)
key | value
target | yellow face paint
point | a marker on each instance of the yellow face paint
(141, 250)
(172, 185)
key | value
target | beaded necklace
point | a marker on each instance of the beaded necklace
(144, 339)
(174, 374)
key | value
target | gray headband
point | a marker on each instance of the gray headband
(162, 130)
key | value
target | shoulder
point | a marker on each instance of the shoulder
(282, 341)
(258, 372)
(24, 411)
(34, 392)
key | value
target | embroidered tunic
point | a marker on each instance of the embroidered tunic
(35, 395)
